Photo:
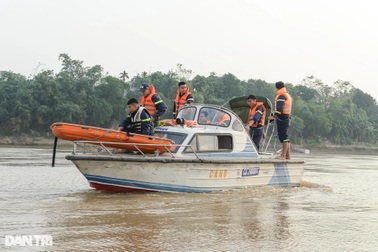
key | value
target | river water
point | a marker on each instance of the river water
(334, 209)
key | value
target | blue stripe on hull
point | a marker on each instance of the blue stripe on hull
(149, 186)
(280, 176)
(229, 155)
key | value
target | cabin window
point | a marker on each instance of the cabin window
(212, 116)
(236, 125)
(178, 138)
(225, 142)
(193, 145)
(207, 143)
(187, 113)
(210, 142)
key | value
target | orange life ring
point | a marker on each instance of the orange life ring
(110, 137)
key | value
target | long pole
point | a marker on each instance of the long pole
(54, 151)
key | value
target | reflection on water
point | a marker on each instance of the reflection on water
(334, 209)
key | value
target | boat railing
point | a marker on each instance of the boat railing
(102, 145)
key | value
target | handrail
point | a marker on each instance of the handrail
(104, 147)
(135, 145)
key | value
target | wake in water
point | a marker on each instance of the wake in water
(307, 184)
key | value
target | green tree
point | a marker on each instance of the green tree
(123, 76)
(15, 102)
(316, 121)
(363, 100)
(112, 92)
(305, 93)
(45, 96)
(339, 112)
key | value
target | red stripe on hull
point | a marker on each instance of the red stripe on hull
(113, 188)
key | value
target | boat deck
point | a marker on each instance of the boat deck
(85, 150)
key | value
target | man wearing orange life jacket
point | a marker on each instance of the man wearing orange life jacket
(282, 115)
(183, 96)
(152, 102)
(256, 119)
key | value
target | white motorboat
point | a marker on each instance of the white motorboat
(215, 154)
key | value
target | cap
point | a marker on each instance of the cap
(251, 97)
(144, 87)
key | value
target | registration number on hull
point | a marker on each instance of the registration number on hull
(218, 174)
(247, 172)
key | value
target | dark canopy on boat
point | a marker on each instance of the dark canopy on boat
(240, 106)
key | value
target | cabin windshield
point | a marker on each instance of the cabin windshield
(187, 113)
(213, 116)
(178, 138)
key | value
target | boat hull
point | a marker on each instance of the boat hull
(122, 174)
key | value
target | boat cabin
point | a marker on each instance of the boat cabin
(208, 131)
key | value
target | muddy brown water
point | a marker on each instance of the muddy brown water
(334, 209)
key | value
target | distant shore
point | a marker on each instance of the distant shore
(24, 140)
(353, 148)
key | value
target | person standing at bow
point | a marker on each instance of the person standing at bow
(183, 96)
(152, 102)
(138, 119)
(256, 120)
(282, 115)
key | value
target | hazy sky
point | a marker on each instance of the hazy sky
(261, 39)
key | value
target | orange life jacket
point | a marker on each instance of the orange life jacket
(181, 101)
(147, 102)
(288, 101)
(173, 122)
(224, 119)
(252, 113)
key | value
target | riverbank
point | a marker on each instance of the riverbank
(24, 140)
(353, 148)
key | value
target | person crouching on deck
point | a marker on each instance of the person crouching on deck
(138, 120)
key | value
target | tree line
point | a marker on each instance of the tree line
(339, 113)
